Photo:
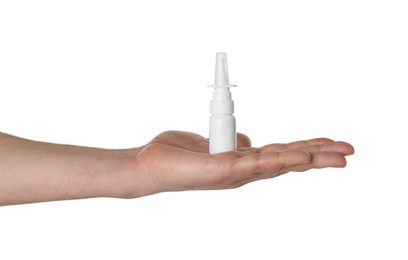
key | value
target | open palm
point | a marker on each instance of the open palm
(176, 160)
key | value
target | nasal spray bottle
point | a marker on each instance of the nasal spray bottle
(222, 122)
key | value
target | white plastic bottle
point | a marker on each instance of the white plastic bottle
(222, 122)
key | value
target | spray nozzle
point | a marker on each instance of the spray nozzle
(221, 71)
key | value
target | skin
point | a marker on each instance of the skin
(32, 171)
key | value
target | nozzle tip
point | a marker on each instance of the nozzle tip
(221, 70)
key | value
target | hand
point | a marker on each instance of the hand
(32, 171)
(175, 161)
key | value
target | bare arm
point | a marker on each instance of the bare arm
(32, 171)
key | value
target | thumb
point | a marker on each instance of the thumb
(243, 140)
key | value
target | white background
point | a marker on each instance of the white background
(116, 73)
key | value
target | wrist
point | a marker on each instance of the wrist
(124, 179)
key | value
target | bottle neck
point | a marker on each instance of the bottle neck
(222, 103)
(221, 94)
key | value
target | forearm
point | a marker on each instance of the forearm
(33, 171)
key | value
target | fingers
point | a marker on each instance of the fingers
(321, 160)
(295, 145)
(312, 146)
(253, 165)
(338, 147)
(243, 140)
